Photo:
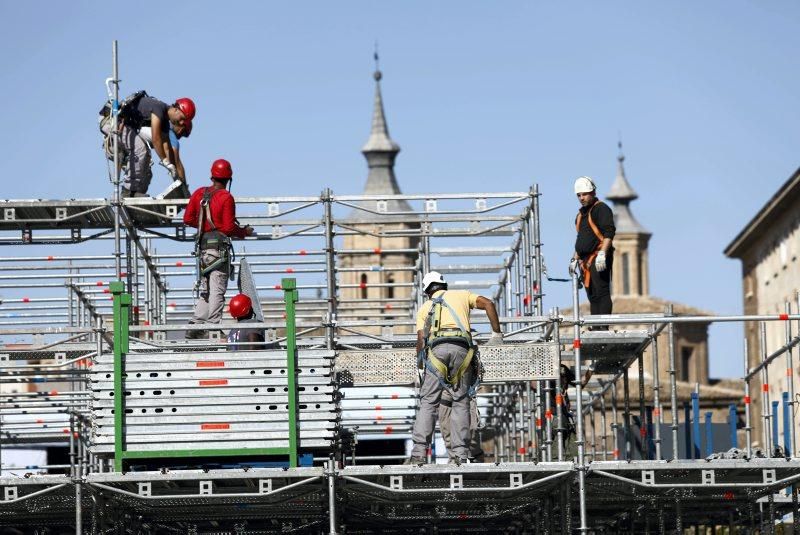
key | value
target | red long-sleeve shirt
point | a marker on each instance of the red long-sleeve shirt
(223, 213)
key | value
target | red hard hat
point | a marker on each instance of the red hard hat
(221, 169)
(186, 105)
(240, 306)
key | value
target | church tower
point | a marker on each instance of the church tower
(378, 267)
(631, 274)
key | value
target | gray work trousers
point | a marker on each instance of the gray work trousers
(208, 308)
(445, 410)
(430, 394)
(137, 171)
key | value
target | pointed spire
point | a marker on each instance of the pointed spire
(621, 191)
(621, 195)
(380, 152)
(379, 140)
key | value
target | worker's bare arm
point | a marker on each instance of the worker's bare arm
(491, 312)
(420, 341)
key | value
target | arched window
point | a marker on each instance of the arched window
(363, 286)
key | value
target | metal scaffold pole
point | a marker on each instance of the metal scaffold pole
(115, 133)
(576, 344)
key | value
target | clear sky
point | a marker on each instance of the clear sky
(479, 95)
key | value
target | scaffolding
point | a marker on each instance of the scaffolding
(159, 434)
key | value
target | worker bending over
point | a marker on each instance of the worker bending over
(212, 211)
(594, 251)
(140, 111)
(446, 350)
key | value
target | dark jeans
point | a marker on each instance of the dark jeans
(599, 290)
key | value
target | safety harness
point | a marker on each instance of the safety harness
(434, 334)
(212, 239)
(587, 276)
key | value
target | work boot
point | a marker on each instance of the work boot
(479, 458)
(458, 461)
(419, 461)
(196, 335)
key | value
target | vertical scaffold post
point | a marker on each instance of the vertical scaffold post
(122, 303)
(332, 517)
(765, 404)
(656, 396)
(709, 433)
(748, 428)
(559, 394)
(115, 134)
(787, 422)
(696, 440)
(673, 385)
(579, 402)
(732, 425)
(537, 247)
(289, 287)
(789, 430)
(330, 269)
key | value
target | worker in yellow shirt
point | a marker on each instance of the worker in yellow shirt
(446, 350)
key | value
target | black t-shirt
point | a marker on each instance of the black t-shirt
(602, 216)
(150, 105)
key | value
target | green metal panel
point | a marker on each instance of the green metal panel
(122, 302)
(290, 298)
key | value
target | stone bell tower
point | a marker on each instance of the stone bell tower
(379, 266)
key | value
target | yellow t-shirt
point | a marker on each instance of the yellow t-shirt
(461, 301)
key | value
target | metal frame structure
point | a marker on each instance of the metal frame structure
(80, 325)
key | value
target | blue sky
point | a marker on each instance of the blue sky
(476, 93)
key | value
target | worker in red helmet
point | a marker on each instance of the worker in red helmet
(241, 308)
(212, 211)
(137, 112)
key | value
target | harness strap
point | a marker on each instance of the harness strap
(587, 274)
(433, 325)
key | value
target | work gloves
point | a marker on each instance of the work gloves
(574, 267)
(600, 261)
(495, 340)
(170, 167)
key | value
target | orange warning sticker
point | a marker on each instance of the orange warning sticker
(213, 382)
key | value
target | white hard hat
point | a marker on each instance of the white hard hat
(430, 278)
(584, 184)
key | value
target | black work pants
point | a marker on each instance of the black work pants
(599, 289)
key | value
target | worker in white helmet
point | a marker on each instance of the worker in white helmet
(447, 356)
(594, 250)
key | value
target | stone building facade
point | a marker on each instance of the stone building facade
(769, 246)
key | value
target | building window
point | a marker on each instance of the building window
(390, 289)
(626, 275)
(363, 286)
(686, 362)
(640, 274)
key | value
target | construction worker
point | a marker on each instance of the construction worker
(594, 251)
(212, 211)
(137, 111)
(446, 350)
(241, 308)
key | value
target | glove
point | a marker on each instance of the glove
(574, 266)
(495, 340)
(600, 261)
(171, 169)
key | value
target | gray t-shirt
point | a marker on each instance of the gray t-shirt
(150, 105)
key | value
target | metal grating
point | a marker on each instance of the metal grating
(399, 366)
